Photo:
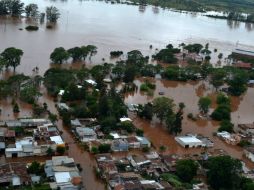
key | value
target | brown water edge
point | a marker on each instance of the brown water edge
(80, 156)
(189, 94)
(108, 31)
(180, 92)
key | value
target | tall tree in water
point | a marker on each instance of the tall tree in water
(12, 57)
(52, 14)
(31, 10)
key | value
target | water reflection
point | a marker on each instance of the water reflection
(233, 24)
(142, 8)
(249, 26)
(156, 10)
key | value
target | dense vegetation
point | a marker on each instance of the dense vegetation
(243, 6)
(16, 8)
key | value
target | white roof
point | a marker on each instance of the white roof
(16, 181)
(115, 135)
(189, 139)
(107, 80)
(61, 92)
(62, 177)
(224, 134)
(57, 139)
(92, 82)
(79, 86)
(123, 119)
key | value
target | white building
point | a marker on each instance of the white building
(189, 141)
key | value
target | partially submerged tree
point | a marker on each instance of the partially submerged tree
(31, 10)
(12, 57)
(59, 55)
(204, 104)
(52, 14)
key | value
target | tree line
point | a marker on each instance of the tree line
(16, 8)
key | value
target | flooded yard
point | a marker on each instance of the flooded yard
(187, 93)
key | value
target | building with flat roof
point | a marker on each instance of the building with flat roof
(189, 141)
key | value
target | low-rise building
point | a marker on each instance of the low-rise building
(133, 142)
(144, 142)
(106, 166)
(119, 145)
(86, 134)
(232, 139)
(246, 129)
(138, 161)
(14, 174)
(249, 153)
(189, 141)
(64, 172)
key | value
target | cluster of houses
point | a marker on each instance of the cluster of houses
(61, 172)
(128, 172)
(28, 137)
(243, 133)
(92, 135)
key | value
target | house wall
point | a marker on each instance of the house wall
(134, 145)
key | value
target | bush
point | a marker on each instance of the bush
(226, 125)
(186, 169)
(116, 53)
(222, 112)
(139, 132)
(94, 150)
(147, 86)
(32, 28)
(145, 149)
(60, 150)
(244, 143)
(223, 99)
(128, 126)
(104, 148)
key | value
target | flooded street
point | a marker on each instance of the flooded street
(127, 27)
(80, 156)
(117, 27)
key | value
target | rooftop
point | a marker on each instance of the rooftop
(189, 139)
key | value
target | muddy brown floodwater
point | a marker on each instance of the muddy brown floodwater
(189, 93)
(117, 27)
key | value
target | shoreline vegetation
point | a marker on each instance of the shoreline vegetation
(235, 10)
